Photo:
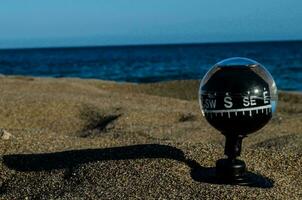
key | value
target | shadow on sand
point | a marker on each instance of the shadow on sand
(70, 159)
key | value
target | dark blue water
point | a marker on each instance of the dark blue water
(154, 63)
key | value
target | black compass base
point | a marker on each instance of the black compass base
(232, 171)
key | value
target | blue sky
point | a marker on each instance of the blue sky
(33, 23)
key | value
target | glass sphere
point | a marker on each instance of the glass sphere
(238, 96)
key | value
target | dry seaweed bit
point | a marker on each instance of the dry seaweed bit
(96, 121)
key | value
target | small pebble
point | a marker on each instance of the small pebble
(5, 135)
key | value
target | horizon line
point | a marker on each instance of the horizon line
(148, 44)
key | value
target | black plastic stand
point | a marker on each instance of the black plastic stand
(232, 170)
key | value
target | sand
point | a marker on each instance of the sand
(91, 139)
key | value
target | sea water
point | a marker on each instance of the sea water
(153, 63)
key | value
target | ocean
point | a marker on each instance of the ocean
(153, 63)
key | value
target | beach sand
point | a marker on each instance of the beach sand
(91, 139)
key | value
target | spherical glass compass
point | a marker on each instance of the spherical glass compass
(237, 96)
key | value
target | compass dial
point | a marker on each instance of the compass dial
(238, 96)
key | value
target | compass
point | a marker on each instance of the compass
(238, 96)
